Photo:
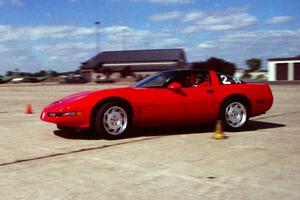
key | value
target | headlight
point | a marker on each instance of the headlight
(71, 113)
(63, 114)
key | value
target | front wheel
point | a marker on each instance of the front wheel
(234, 115)
(113, 120)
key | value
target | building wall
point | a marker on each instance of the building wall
(297, 71)
(272, 69)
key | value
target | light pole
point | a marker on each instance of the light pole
(147, 44)
(124, 31)
(97, 24)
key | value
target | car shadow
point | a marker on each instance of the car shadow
(165, 130)
(254, 125)
(198, 129)
(76, 134)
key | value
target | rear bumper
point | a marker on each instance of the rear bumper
(261, 106)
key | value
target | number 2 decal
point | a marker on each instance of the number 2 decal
(224, 80)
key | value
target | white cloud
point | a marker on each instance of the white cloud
(5, 48)
(235, 20)
(168, 1)
(16, 50)
(170, 43)
(159, 17)
(70, 53)
(123, 37)
(164, 33)
(206, 45)
(61, 57)
(215, 20)
(12, 2)
(241, 45)
(58, 47)
(43, 47)
(193, 16)
(218, 21)
(18, 56)
(63, 47)
(9, 33)
(279, 20)
(115, 29)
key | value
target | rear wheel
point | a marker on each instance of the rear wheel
(113, 120)
(234, 115)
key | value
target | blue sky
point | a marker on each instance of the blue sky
(60, 34)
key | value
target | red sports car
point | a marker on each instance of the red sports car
(166, 98)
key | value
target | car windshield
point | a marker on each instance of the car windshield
(158, 80)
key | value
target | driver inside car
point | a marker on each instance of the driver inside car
(196, 81)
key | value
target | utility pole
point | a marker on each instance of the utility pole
(97, 24)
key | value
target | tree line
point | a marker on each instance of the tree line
(41, 73)
(216, 64)
(225, 67)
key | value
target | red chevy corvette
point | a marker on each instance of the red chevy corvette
(166, 98)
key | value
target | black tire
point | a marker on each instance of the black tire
(113, 120)
(234, 114)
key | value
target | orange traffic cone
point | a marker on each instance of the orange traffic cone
(28, 109)
(219, 134)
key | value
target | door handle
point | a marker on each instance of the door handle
(210, 91)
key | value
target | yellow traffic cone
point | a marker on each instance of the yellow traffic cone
(219, 132)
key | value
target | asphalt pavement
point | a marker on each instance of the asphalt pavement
(37, 161)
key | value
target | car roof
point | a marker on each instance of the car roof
(185, 70)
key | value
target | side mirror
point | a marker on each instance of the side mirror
(174, 85)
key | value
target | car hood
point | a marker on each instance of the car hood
(74, 100)
(62, 104)
(76, 96)
(110, 91)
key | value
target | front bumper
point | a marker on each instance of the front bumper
(73, 119)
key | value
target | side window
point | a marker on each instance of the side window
(227, 80)
(195, 79)
(183, 79)
(203, 79)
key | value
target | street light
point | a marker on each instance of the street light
(124, 33)
(97, 24)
